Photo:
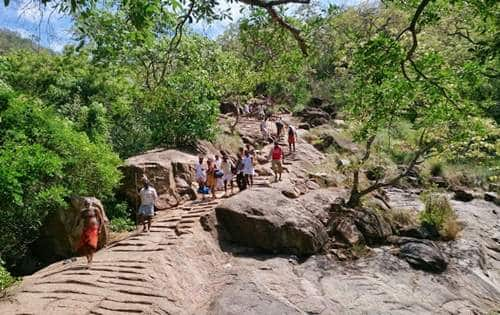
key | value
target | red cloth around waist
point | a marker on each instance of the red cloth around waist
(90, 236)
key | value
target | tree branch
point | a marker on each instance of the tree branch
(269, 6)
(412, 28)
(356, 195)
(295, 32)
(366, 156)
(421, 151)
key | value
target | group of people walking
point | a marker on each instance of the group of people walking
(280, 126)
(219, 173)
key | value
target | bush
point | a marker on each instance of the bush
(121, 225)
(439, 214)
(6, 280)
(44, 161)
(401, 217)
(450, 229)
(185, 110)
(118, 211)
(437, 168)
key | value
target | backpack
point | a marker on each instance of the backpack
(204, 190)
(219, 174)
(291, 131)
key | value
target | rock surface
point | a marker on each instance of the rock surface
(193, 273)
(492, 197)
(179, 268)
(462, 194)
(62, 229)
(421, 254)
(265, 219)
(314, 116)
(164, 169)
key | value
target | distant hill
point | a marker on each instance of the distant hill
(10, 41)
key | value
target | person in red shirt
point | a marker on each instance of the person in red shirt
(277, 158)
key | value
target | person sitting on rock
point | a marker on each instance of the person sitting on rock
(248, 169)
(250, 149)
(227, 168)
(147, 208)
(92, 225)
(292, 138)
(277, 158)
(200, 173)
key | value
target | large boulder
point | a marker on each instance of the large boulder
(462, 194)
(227, 107)
(492, 197)
(171, 173)
(345, 230)
(62, 229)
(333, 139)
(265, 219)
(421, 254)
(355, 226)
(314, 116)
(374, 227)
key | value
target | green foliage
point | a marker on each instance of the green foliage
(44, 161)
(102, 102)
(118, 210)
(121, 225)
(11, 41)
(437, 168)
(6, 280)
(185, 110)
(439, 214)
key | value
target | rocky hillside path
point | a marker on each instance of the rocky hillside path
(119, 281)
(124, 277)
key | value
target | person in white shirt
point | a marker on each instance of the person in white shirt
(200, 174)
(248, 169)
(147, 208)
(227, 167)
(263, 129)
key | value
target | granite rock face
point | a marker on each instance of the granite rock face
(265, 219)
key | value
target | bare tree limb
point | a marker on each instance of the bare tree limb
(268, 4)
(355, 197)
(412, 28)
(442, 89)
(295, 32)
(366, 156)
